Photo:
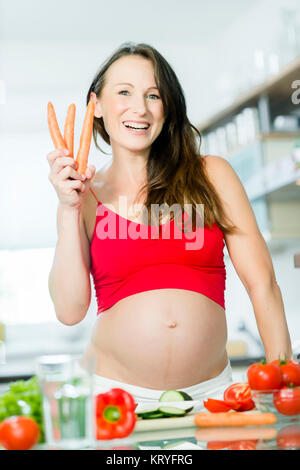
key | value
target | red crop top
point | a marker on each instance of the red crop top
(125, 265)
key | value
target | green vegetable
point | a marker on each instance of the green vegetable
(23, 398)
(171, 411)
(154, 415)
(176, 395)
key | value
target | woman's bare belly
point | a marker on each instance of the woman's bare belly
(160, 339)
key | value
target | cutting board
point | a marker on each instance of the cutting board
(165, 423)
(178, 422)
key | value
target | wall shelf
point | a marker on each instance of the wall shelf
(277, 88)
(261, 156)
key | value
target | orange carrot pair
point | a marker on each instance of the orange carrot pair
(67, 142)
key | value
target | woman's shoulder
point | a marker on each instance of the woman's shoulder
(213, 159)
(220, 173)
(216, 165)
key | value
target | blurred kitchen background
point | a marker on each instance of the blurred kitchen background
(238, 62)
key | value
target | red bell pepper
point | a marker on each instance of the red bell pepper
(115, 415)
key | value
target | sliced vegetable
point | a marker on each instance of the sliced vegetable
(155, 415)
(57, 138)
(115, 414)
(69, 129)
(176, 395)
(249, 444)
(146, 412)
(171, 411)
(216, 406)
(238, 397)
(19, 433)
(264, 376)
(85, 139)
(234, 418)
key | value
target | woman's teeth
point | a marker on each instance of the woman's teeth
(137, 126)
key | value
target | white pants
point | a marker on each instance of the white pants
(212, 388)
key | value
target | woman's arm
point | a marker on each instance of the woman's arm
(69, 279)
(251, 259)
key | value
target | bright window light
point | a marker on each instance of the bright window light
(24, 294)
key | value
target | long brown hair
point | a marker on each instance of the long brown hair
(175, 168)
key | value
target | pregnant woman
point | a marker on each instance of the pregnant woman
(161, 320)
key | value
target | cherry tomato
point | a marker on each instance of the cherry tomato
(18, 433)
(289, 437)
(216, 406)
(287, 400)
(264, 376)
(238, 397)
(290, 371)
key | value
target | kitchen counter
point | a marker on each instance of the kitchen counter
(271, 437)
(196, 438)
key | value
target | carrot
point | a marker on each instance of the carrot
(235, 418)
(57, 138)
(85, 139)
(69, 128)
(235, 433)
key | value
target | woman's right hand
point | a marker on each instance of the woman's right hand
(68, 183)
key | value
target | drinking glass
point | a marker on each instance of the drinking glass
(68, 404)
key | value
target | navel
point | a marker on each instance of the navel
(172, 324)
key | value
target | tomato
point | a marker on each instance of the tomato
(18, 433)
(216, 445)
(290, 371)
(216, 406)
(249, 444)
(264, 376)
(289, 437)
(287, 400)
(238, 397)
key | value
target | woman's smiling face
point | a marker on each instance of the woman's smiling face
(130, 95)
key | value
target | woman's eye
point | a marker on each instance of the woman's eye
(126, 91)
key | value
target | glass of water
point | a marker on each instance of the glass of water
(68, 404)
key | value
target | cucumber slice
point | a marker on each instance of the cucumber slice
(155, 415)
(171, 395)
(171, 411)
(149, 412)
(185, 395)
(176, 395)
